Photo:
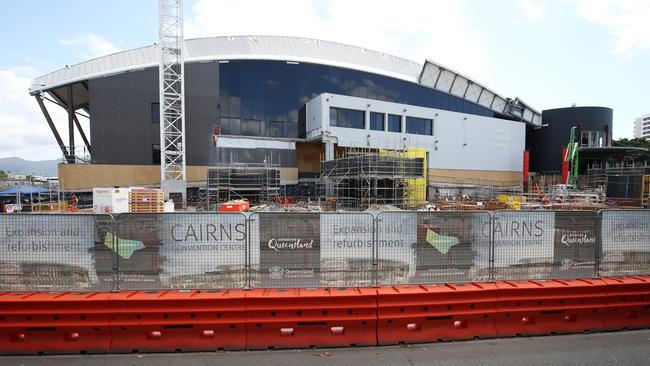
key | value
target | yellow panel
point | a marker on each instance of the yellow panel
(416, 188)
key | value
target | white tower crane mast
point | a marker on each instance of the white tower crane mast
(172, 105)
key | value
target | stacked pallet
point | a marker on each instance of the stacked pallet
(146, 200)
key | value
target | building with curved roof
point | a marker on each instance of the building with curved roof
(286, 100)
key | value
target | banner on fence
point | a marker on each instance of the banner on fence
(136, 240)
(451, 247)
(347, 245)
(289, 249)
(396, 247)
(47, 252)
(203, 251)
(346, 249)
(625, 239)
(575, 244)
(523, 244)
(626, 231)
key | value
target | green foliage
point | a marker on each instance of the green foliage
(639, 142)
(3, 175)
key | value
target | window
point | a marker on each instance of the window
(155, 112)
(419, 126)
(155, 153)
(348, 118)
(394, 123)
(590, 138)
(376, 121)
(275, 129)
(250, 127)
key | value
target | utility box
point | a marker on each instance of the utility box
(110, 200)
(235, 206)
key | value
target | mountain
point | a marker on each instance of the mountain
(40, 167)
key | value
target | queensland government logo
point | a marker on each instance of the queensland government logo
(577, 239)
(276, 273)
(290, 244)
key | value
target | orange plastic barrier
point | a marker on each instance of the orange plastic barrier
(177, 321)
(47, 323)
(208, 320)
(549, 307)
(418, 314)
(628, 302)
(305, 318)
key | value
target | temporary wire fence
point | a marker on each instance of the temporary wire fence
(75, 252)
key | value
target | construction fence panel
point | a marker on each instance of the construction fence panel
(452, 246)
(55, 252)
(181, 250)
(532, 245)
(289, 247)
(625, 237)
(576, 244)
(523, 244)
(347, 250)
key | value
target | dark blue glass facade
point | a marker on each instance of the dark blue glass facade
(394, 123)
(376, 121)
(349, 118)
(419, 126)
(267, 98)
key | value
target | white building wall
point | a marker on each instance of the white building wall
(459, 141)
(642, 126)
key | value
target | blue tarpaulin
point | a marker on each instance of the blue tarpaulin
(24, 190)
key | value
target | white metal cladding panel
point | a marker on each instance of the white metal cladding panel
(429, 75)
(445, 80)
(460, 84)
(486, 98)
(528, 115)
(245, 47)
(106, 65)
(499, 104)
(459, 141)
(473, 92)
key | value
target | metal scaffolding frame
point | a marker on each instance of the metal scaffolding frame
(360, 177)
(172, 102)
(255, 182)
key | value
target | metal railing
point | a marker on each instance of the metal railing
(76, 252)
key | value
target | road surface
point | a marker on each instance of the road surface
(611, 348)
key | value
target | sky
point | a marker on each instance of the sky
(549, 53)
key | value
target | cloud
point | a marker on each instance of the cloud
(626, 20)
(25, 131)
(438, 30)
(532, 9)
(90, 44)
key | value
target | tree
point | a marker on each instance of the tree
(639, 142)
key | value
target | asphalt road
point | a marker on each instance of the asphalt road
(615, 348)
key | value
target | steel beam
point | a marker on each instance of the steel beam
(82, 133)
(71, 123)
(55, 132)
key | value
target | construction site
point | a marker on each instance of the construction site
(235, 123)
(241, 193)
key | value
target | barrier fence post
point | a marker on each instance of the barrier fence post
(116, 263)
(599, 244)
(491, 243)
(375, 250)
(247, 255)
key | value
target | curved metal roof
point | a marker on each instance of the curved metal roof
(286, 49)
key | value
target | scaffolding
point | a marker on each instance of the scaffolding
(358, 178)
(259, 183)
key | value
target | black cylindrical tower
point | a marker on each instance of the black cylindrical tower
(546, 143)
